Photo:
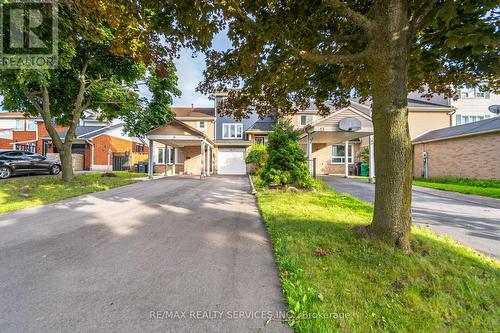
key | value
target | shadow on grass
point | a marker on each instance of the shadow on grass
(441, 286)
(22, 193)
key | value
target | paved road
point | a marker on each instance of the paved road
(104, 262)
(469, 219)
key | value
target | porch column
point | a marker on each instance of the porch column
(309, 153)
(202, 159)
(165, 155)
(208, 159)
(372, 160)
(150, 159)
(175, 161)
(346, 159)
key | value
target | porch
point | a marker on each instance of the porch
(179, 149)
(332, 143)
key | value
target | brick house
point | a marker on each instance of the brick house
(464, 151)
(95, 144)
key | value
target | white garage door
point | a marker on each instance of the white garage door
(231, 161)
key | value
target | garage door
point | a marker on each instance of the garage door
(231, 161)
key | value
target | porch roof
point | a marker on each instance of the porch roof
(178, 134)
(328, 129)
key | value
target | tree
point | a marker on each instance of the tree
(287, 163)
(286, 54)
(99, 65)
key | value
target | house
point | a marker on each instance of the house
(201, 142)
(465, 151)
(97, 144)
(470, 106)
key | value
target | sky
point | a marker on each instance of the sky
(190, 73)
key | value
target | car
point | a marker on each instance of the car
(17, 162)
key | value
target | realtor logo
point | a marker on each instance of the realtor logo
(28, 31)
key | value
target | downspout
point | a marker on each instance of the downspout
(91, 154)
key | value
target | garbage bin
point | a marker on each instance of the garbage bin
(358, 169)
(142, 167)
(364, 170)
(136, 168)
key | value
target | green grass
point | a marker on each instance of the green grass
(486, 188)
(441, 286)
(45, 190)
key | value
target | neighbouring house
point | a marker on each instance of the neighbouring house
(471, 105)
(98, 145)
(465, 151)
(201, 142)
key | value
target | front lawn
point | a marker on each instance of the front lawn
(19, 193)
(364, 285)
(486, 188)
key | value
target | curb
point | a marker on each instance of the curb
(254, 191)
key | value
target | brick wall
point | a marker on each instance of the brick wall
(104, 143)
(476, 157)
(322, 152)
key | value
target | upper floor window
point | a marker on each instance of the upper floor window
(31, 125)
(306, 119)
(474, 93)
(139, 147)
(19, 124)
(462, 119)
(202, 125)
(232, 131)
(338, 154)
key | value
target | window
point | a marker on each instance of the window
(19, 124)
(202, 126)
(306, 119)
(462, 119)
(482, 94)
(261, 140)
(232, 131)
(160, 155)
(338, 154)
(139, 148)
(170, 155)
(31, 125)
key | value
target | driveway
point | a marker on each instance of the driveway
(469, 219)
(169, 255)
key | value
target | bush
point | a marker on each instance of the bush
(287, 163)
(257, 156)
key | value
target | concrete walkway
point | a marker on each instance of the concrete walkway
(469, 219)
(169, 255)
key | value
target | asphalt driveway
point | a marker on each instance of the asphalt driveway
(469, 219)
(169, 255)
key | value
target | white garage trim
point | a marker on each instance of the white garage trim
(231, 161)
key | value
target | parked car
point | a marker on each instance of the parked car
(17, 162)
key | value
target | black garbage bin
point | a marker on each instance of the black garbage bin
(142, 167)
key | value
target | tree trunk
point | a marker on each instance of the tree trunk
(393, 150)
(67, 162)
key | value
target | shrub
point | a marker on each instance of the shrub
(287, 163)
(257, 156)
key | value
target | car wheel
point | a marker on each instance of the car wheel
(5, 172)
(55, 169)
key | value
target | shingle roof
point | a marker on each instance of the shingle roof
(478, 127)
(87, 132)
(193, 112)
(262, 126)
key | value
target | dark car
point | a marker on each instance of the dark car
(17, 162)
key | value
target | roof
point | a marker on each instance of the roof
(11, 115)
(365, 107)
(88, 132)
(262, 126)
(194, 112)
(475, 128)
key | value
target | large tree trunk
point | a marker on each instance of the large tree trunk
(393, 164)
(67, 162)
